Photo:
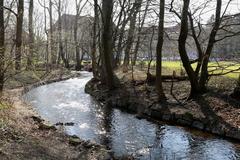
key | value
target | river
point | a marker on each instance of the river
(121, 132)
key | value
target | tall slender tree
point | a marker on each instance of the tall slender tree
(51, 44)
(94, 39)
(2, 47)
(159, 86)
(79, 9)
(18, 53)
(139, 32)
(31, 34)
(211, 42)
(78, 65)
(61, 55)
(107, 48)
(136, 9)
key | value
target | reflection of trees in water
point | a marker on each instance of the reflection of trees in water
(169, 143)
(104, 125)
(157, 145)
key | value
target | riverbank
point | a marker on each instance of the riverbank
(24, 135)
(214, 112)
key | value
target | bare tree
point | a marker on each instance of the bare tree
(211, 41)
(159, 86)
(31, 35)
(79, 9)
(139, 32)
(19, 27)
(125, 7)
(136, 8)
(61, 54)
(94, 39)
(198, 83)
(107, 71)
(52, 52)
(2, 47)
(182, 49)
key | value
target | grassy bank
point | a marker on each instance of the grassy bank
(221, 67)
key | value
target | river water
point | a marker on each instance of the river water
(121, 132)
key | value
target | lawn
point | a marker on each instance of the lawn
(214, 67)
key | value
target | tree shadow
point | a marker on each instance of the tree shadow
(226, 98)
(216, 122)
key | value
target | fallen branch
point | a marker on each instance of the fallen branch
(165, 78)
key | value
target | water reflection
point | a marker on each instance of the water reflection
(121, 132)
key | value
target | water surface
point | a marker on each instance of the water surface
(121, 132)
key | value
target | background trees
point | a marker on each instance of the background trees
(31, 34)
(2, 46)
(19, 27)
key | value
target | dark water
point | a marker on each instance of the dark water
(123, 133)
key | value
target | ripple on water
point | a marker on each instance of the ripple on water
(67, 102)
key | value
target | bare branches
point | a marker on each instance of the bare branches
(10, 10)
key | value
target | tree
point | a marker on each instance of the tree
(19, 27)
(159, 86)
(31, 34)
(94, 39)
(182, 49)
(139, 32)
(79, 9)
(133, 18)
(125, 7)
(107, 71)
(61, 54)
(212, 40)
(52, 52)
(2, 47)
(198, 83)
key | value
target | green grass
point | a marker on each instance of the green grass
(4, 105)
(214, 67)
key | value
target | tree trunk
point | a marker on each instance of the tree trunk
(78, 65)
(120, 45)
(94, 40)
(61, 54)
(2, 47)
(18, 53)
(139, 33)
(52, 51)
(204, 70)
(198, 45)
(107, 71)
(182, 50)
(31, 35)
(159, 87)
(47, 44)
(131, 31)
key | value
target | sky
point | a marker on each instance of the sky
(233, 8)
(170, 20)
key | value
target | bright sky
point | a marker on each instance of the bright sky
(70, 8)
(234, 7)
